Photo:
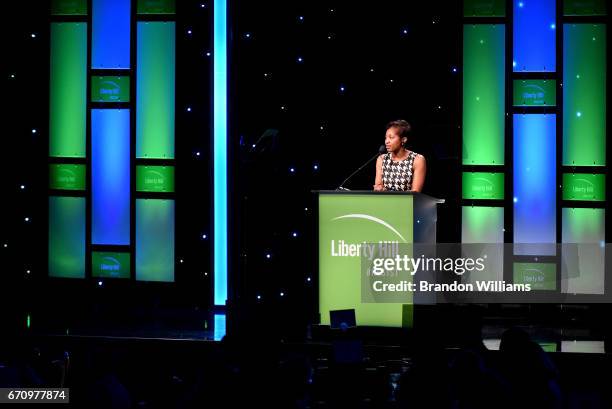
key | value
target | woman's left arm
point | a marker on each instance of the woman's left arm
(419, 168)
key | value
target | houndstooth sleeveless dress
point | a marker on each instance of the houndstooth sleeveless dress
(397, 176)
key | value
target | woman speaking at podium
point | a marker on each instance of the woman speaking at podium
(399, 169)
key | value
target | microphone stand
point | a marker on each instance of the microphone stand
(381, 150)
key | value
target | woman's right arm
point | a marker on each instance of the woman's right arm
(378, 182)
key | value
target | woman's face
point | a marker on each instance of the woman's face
(393, 142)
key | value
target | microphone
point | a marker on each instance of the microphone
(382, 149)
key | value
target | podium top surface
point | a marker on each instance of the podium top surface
(372, 192)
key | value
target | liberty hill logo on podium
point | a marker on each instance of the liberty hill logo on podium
(368, 250)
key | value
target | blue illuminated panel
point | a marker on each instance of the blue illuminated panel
(110, 169)
(534, 36)
(534, 182)
(154, 240)
(220, 151)
(110, 36)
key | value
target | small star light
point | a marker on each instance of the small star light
(341, 88)
(282, 294)
(301, 18)
(258, 297)
(315, 166)
(292, 170)
(22, 187)
(100, 283)
(282, 107)
(454, 69)
(204, 236)
(553, 26)
(521, 4)
(12, 75)
(33, 130)
(208, 53)
(181, 261)
(579, 114)
(515, 200)
(294, 234)
(197, 153)
(308, 279)
(247, 35)
(202, 5)
(300, 59)
(268, 255)
(188, 109)
(33, 35)
(514, 63)
(189, 31)
(27, 219)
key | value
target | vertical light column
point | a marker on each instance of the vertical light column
(67, 139)
(584, 147)
(155, 141)
(220, 152)
(484, 123)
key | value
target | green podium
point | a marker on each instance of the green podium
(347, 219)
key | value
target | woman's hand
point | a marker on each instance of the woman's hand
(379, 188)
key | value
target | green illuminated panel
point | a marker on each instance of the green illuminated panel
(69, 7)
(156, 7)
(484, 8)
(67, 177)
(154, 240)
(541, 276)
(584, 7)
(68, 84)
(110, 264)
(482, 185)
(110, 89)
(483, 94)
(584, 95)
(534, 93)
(584, 186)
(67, 237)
(583, 265)
(155, 178)
(482, 224)
(155, 90)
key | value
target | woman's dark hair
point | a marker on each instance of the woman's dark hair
(403, 127)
